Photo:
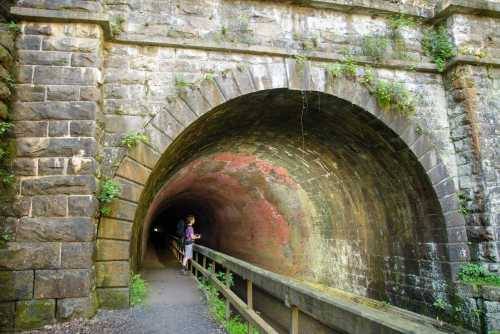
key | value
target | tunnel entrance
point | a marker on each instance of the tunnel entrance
(307, 185)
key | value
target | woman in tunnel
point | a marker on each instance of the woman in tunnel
(189, 239)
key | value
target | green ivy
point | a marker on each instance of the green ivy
(138, 290)
(131, 139)
(437, 44)
(476, 274)
(110, 189)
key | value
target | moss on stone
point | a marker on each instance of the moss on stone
(35, 313)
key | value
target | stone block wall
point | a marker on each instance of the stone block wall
(68, 127)
(48, 267)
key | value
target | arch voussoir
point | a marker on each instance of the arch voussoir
(243, 79)
(260, 77)
(115, 232)
(195, 100)
(227, 85)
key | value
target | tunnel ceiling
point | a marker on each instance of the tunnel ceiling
(304, 184)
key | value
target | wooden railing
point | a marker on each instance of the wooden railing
(245, 309)
(333, 311)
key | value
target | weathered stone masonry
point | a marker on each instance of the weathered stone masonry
(80, 89)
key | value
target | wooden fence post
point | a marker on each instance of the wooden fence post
(195, 269)
(228, 304)
(294, 320)
(250, 302)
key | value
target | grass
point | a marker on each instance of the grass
(138, 290)
(218, 308)
(474, 273)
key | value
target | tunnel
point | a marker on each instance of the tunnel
(306, 185)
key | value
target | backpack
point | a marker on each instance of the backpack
(181, 228)
(181, 231)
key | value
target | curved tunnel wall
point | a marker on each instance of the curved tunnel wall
(311, 186)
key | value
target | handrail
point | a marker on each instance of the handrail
(333, 311)
(245, 309)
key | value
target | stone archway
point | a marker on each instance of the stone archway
(117, 235)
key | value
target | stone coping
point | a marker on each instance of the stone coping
(103, 20)
(446, 8)
(35, 14)
(358, 313)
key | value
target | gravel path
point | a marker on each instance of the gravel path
(175, 306)
(150, 319)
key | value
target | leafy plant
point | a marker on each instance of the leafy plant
(437, 44)
(349, 67)
(181, 83)
(13, 27)
(368, 76)
(131, 139)
(441, 304)
(218, 307)
(463, 199)
(110, 189)
(6, 177)
(476, 274)
(400, 21)
(138, 290)
(394, 95)
(5, 127)
(374, 46)
(300, 58)
(335, 70)
(9, 80)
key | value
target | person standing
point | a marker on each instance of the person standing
(190, 237)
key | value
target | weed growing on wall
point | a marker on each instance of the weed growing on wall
(474, 273)
(392, 95)
(463, 199)
(110, 189)
(389, 95)
(6, 154)
(13, 27)
(181, 83)
(5, 127)
(400, 21)
(138, 290)
(437, 44)
(217, 306)
(375, 46)
(131, 139)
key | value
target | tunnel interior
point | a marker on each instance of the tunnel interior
(307, 185)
